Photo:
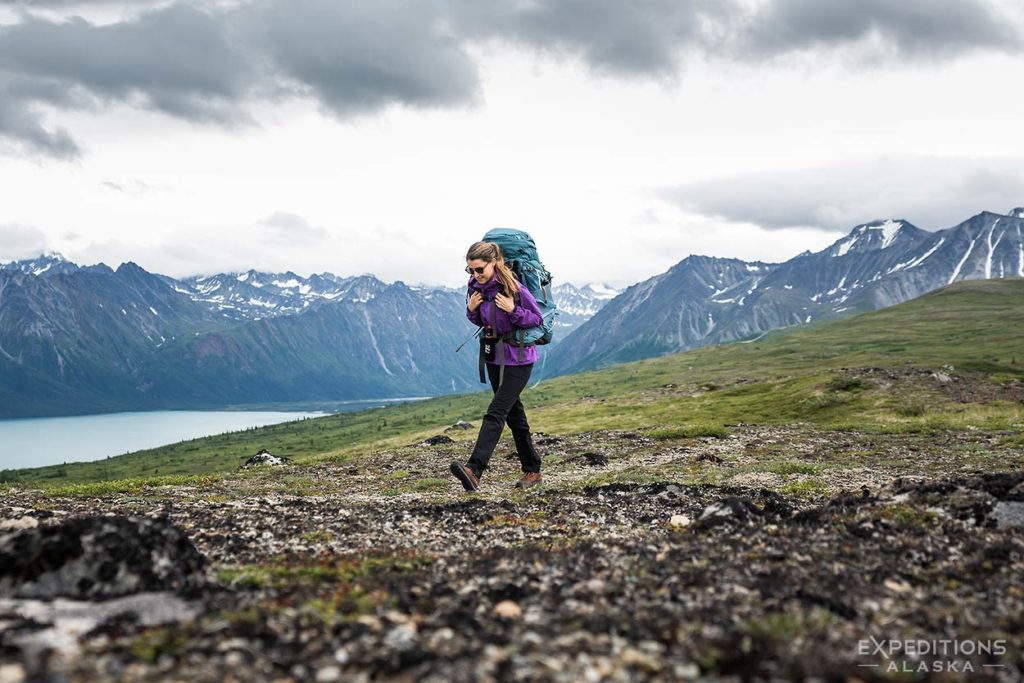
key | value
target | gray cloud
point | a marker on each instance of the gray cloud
(934, 29)
(21, 242)
(210, 63)
(622, 38)
(178, 60)
(356, 59)
(932, 193)
(21, 127)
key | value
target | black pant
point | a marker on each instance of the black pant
(506, 406)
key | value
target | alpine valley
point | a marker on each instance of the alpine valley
(80, 340)
(77, 340)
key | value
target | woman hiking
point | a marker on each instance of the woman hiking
(500, 304)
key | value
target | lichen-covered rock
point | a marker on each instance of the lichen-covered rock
(262, 458)
(96, 558)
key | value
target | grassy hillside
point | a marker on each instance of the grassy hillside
(952, 359)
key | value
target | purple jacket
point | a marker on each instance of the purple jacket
(525, 314)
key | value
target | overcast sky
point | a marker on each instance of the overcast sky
(385, 136)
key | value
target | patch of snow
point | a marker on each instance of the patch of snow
(261, 302)
(844, 248)
(124, 311)
(889, 230)
(286, 284)
(787, 286)
(992, 248)
(179, 290)
(1020, 262)
(373, 341)
(837, 287)
(243, 277)
(751, 341)
(753, 269)
(808, 319)
(153, 310)
(962, 261)
(931, 251)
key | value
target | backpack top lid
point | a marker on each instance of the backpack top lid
(515, 245)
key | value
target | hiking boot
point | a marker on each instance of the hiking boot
(466, 475)
(529, 479)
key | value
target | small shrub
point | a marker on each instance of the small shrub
(845, 384)
(911, 408)
(823, 401)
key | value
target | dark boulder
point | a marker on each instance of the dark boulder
(91, 558)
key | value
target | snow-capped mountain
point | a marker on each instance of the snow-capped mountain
(49, 263)
(576, 305)
(254, 295)
(705, 300)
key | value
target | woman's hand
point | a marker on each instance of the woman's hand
(475, 300)
(505, 303)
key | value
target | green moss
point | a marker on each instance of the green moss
(805, 487)
(153, 643)
(785, 467)
(788, 626)
(134, 485)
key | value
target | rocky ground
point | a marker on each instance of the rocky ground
(769, 554)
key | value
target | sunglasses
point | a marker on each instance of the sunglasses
(478, 271)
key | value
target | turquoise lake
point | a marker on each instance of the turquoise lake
(43, 441)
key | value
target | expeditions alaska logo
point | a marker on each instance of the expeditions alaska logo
(931, 656)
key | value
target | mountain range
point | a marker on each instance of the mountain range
(86, 339)
(706, 300)
(93, 339)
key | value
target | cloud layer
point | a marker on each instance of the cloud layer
(211, 64)
(932, 193)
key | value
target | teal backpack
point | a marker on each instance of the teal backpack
(520, 254)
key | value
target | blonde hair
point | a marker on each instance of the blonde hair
(491, 253)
